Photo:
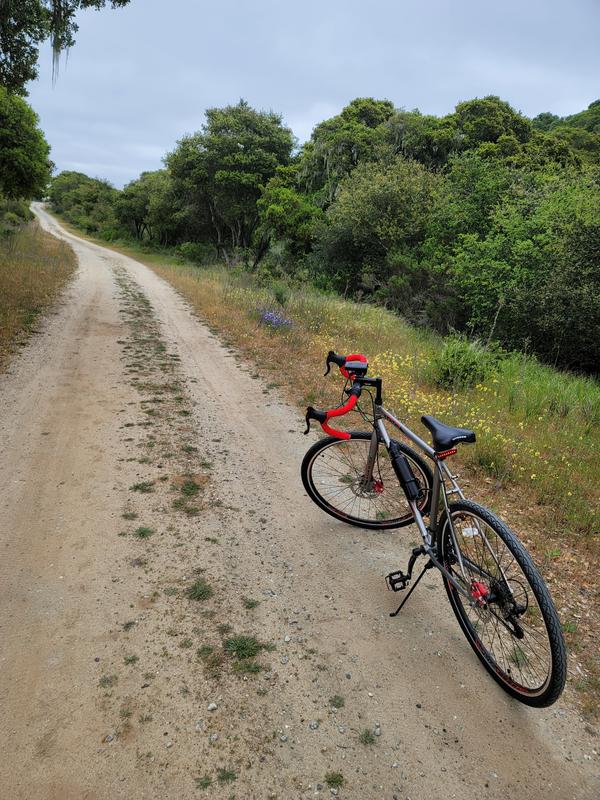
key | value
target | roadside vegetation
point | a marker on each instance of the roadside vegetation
(482, 221)
(34, 266)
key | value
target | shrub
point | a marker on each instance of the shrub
(281, 293)
(461, 363)
(196, 252)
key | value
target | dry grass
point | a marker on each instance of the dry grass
(34, 267)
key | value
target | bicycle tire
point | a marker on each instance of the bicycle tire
(382, 503)
(495, 643)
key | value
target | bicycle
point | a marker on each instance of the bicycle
(370, 480)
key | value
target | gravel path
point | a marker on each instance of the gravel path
(140, 457)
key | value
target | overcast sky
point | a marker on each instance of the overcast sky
(140, 77)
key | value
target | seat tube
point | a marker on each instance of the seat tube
(435, 499)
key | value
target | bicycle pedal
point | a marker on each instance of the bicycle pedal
(397, 581)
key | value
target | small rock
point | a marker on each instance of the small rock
(313, 724)
(348, 675)
(212, 706)
(214, 737)
(334, 792)
(109, 738)
(200, 725)
(341, 729)
(283, 738)
(284, 659)
(168, 744)
(287, 638)
(377, 731)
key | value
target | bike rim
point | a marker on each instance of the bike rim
(524, 664)
(338, 476)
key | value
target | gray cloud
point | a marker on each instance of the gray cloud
(139, 78)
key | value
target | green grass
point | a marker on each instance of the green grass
(367, 737)
(249, 603)
(131, 660)
(143, 532)
(145, 487)
(108, 681)
(243, 646)
(247, 667)
(337, 701)
(190, 489)
(226, 775)
(334, 780)
(200, 590)
(203, 782)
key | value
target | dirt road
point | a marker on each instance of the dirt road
(140, 457)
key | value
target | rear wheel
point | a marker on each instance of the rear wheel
(512, 626)
(334, 476)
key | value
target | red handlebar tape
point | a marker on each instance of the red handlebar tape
(339, 412)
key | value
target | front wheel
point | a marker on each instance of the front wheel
(335, 476)
(511, 624)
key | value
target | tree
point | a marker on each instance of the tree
(338, 144)
(221, 169)
(25, 165)
(286, 214)
(487, 119)
(86, 202)
(375, 229)
(532, 280)
(426, 138)
(25, 24)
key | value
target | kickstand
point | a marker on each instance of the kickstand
(427, 566)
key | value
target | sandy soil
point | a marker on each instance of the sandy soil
(103, 693)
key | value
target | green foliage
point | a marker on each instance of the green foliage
(288, 215)
(13, 215)
(24, 152)
(334, 779)
(220, 170)
(339, 144)
(532, 280)
(197, 252)
(88, 203)
(243, 646)
(480, 221)
(462, 364)
(200, 590)
(25, 24)
(426, 138)
(488, 119)
(374, 231)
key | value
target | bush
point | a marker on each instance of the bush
(196, 252)
(461, 363)
(281, 293)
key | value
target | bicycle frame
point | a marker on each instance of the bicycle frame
(441, 473)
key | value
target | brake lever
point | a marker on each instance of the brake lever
(307, 422)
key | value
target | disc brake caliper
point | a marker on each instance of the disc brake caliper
(479, 592)
(378, 486)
